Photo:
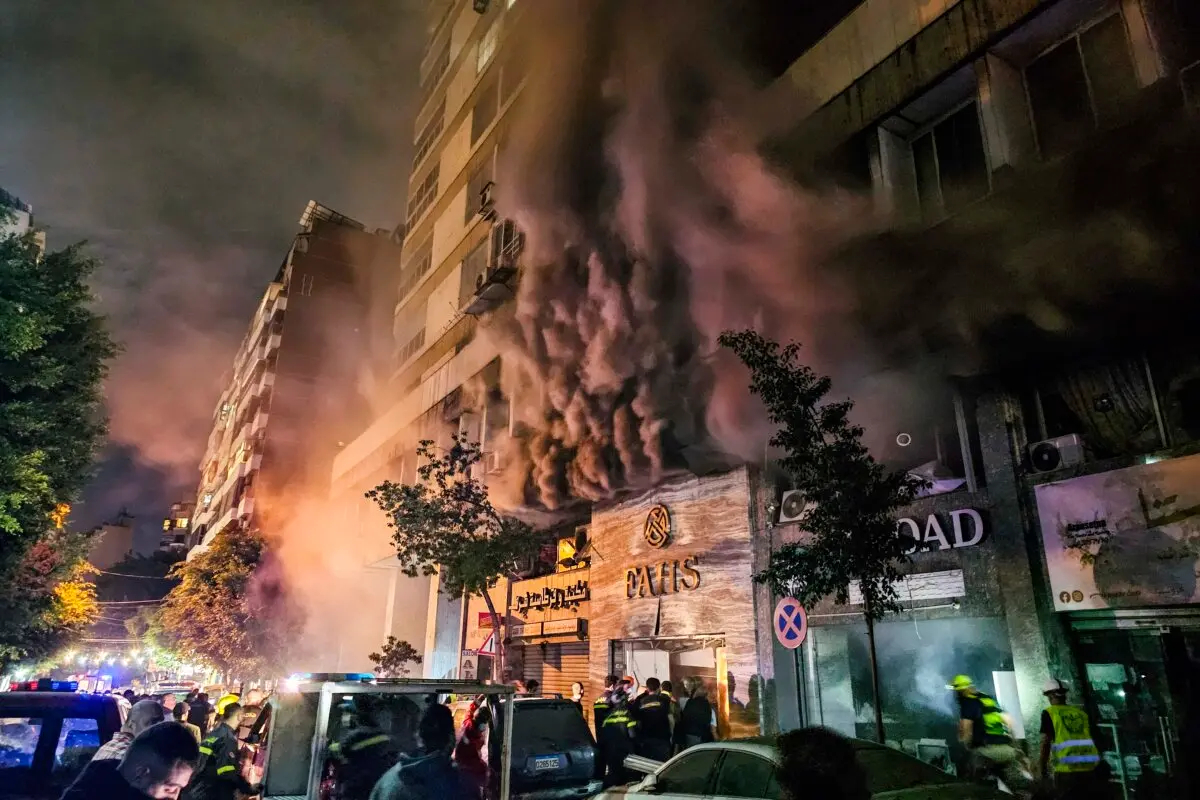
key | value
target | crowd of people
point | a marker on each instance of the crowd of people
(169, 748)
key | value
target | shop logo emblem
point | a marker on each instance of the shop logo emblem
(658, 527)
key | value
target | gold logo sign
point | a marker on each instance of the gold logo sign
(658, 527)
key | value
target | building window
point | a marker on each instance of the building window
(474, 267)
(484, 112)
(429, 134)
(411, 347)
(480, 178)
(1079, 84)
(951, 164)
(436, 70)
(415, 269)
(487, 47)
(423, 196)
(512, 72)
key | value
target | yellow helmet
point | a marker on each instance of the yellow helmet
(960, 682)
(225, 701)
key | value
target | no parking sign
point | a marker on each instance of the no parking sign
(791, 623)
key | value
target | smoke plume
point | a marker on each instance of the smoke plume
(652, 225)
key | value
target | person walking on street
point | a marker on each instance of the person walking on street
(1068, 754)
(157, 764)
(617, 739)
(986, 731)
(179, 713)
(430, 773)
(143, 714)
(219, 771)
(653, 714)
(695, 724)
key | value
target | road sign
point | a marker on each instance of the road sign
(791, 623)
(489, 645)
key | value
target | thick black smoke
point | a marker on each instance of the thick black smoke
(654, 223)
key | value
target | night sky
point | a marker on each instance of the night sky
(182, 140)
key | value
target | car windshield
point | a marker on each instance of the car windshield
(890, 770)
(549, 727)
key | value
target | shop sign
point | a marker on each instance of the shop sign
(1124, 538)
(553, 597)
(657, 529)
(556, 627)
(960, 528)
(667, 577)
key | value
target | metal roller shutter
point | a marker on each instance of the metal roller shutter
(556, 667)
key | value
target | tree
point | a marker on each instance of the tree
(445, 525)
(394, 660)
(849, 520)
(48, 600)
(229, 610)
(54, 351)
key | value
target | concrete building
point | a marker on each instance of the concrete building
(112, 542)
(176, 527)
(292, 393)
(20, 218)
(1056, 542)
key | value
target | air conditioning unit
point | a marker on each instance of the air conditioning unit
(504, 246)
(1056, 453)
(792, 506)
(525, 567)
(493, 461)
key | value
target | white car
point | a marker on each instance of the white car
(745, 769)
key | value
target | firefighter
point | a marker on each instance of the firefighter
(1068, 754)
(617, 737)
(986, 731)
(218, 774)
(653, 714)
(363, 752)
(601, 707)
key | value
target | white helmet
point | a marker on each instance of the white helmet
(1054, 686)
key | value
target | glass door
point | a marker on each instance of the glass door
(1138, 684)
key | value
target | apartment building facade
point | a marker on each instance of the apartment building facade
(20, 219)
(1056, 539)
(292, 391)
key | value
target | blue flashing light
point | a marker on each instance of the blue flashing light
(360, 676)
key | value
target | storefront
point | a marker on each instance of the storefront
(672, 594)
(1121, 553)
(548, 630)
(953, 623)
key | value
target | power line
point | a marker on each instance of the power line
(128, 602)
(130, 575)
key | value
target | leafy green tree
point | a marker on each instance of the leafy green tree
(852, 500)
(445, 525)
(395, 657)
(54, 351)
(227, 609)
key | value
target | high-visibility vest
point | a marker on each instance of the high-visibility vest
(993, 717)
(1073, 749)
(619, 717)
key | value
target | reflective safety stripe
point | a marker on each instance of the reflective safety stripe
(223, 770)
(1079, 759)
(1073, 749)
(206, 750)
(1074, 743)
(371, 742)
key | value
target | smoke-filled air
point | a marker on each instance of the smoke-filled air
(654, 221)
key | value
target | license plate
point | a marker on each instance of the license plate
(543, 763)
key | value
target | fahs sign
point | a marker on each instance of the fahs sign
(960, 528)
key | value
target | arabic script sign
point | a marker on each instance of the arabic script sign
(1129, 537)
(569, 596)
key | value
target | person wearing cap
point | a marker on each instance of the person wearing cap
(986, 731)
(142, 715)
(1068, 754)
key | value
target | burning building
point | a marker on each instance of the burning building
(929, 220)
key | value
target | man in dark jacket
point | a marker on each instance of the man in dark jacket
(219, 772)
(363, 753)
(158, 764)
(430, 772)
(653, 714)
(617, 739)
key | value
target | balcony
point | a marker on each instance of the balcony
(492, 290)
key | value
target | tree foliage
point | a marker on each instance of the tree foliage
(394, 660)
(445, 524)
(53, 355)
(228, 610)
(851, 498)
(47, 599)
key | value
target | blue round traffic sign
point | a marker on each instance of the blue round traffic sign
(791, 623)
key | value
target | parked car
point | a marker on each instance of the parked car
(553, 750)
(746, 768)
(47, 737)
